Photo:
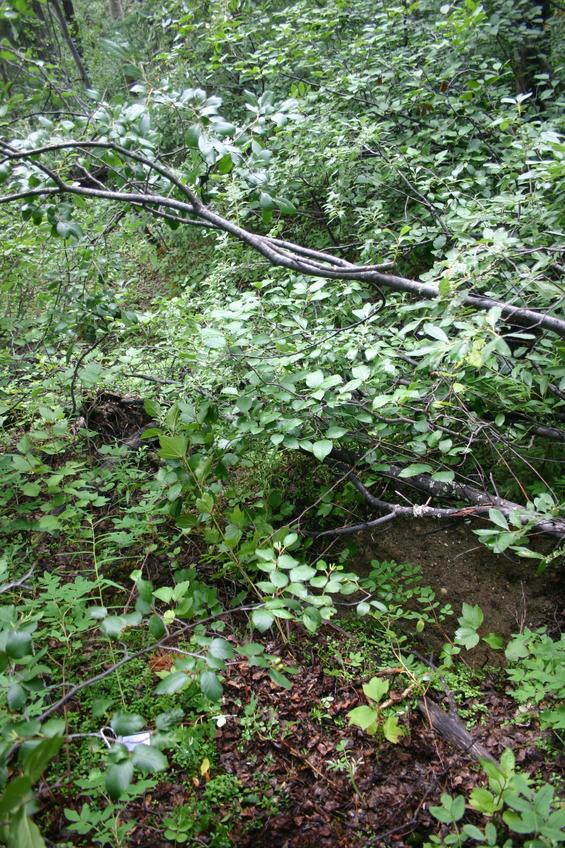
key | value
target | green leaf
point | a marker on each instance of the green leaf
(414, 469)
(17, 792)
(251, 649)
(172, 683)
(472, 616)
(172, 447)
(69, 229)
(221, 649)
(262, 619)
(287, 561)
(302, 573)
(363, 717)
(361, 372)
(192, 136)
(376, 688)
(392, 731)
(467, 636)
(156, 627)
(165, 594)
(484, 801)
(152, 408)
(148, 759)
(126, 723)
(280, 679)
(279, 579)
(473, 832)
(211, 686)
(311, 619)
(18, 644)
(443, 476)
(113, 626)
(244, 403)
(36, 761)
(494, 641)
(516, 649)
(16, 696)
(498, 518)
(435, 332)
(25, 832)
(118, 778)
(314, 379)
(322, 449)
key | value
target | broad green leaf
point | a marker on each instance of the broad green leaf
(251, 649)
(118, 778)
(322, 449)
(172, 683)
(314, 379)
(498, 518)
(376, 688)
(221, 649)
(467, 636)
(18, 644)
(16, 696)
(156, 627)
(392, 730)
(302, 573)
(16, 793)
(280, 679)
(148, 759)
(172, 447)
(472, 616)
(262, 619)
(363, 717)
(435, 332)
(494, 641)
(36, 761)
(25, 832)
(414, 469)
(211, 686)
(126, 723)
(361, 372)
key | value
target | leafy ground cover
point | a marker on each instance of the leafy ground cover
(281, 398)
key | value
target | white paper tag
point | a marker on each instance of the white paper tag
(143, 738)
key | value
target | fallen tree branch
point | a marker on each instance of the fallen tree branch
(279, 253)
(481, 502)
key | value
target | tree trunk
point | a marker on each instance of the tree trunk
(83, 73)
(533, 53)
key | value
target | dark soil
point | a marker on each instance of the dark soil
(460, 569)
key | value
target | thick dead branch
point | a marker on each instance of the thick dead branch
(451, 728)
(279, 253)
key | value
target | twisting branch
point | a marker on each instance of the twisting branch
(279, 253)
(480, 502)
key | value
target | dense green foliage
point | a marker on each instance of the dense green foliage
(218, 221)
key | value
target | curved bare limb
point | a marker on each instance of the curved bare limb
(279, 253)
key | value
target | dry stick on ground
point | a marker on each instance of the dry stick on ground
(279, 253)
(451, 728)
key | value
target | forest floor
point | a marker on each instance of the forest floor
(283, 768)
